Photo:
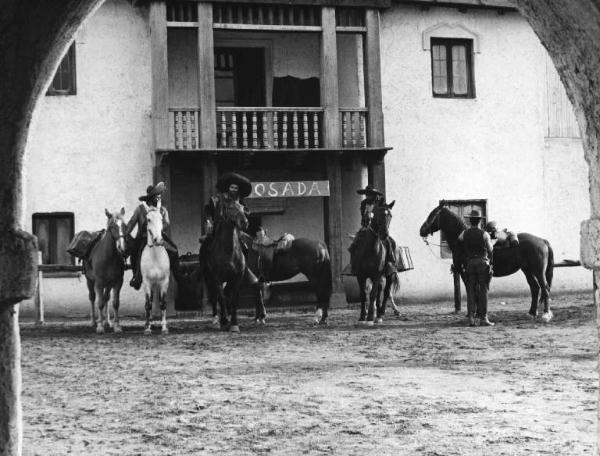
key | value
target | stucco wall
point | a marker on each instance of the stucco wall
(489, 147)
(93, 150)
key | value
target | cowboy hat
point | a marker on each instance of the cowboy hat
(153, 190)
(368, 190)
(473, 214)
(244, 185)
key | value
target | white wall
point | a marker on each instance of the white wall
(489, 147)
(94, 150)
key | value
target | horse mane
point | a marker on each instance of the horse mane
(451, 224)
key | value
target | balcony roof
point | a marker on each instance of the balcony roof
(496, 4)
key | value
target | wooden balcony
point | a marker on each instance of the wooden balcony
(267, 128)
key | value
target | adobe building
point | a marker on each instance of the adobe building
(427, 102)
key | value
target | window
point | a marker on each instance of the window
(64, 79)
(462, 208)
(54, 231)
(452, 68)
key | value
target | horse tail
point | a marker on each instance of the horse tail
(550, 265)
(325, 284)
(395, 278)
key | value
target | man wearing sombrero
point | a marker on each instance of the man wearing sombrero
(153, 197)
(373, 198)
(231, 187)
(478, 248)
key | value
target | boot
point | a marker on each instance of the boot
(471, 320)
(483, 321)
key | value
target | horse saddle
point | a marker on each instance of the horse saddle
(267, 248)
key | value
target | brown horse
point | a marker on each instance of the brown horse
(305, 256)
(533, 255)
(104, 269)
(369, 263)
(222, 261)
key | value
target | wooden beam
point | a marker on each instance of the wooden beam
(209, 182)
(160, 78)
(333, 212)
(329, 79)
(344, 3)
(39, 295)
(206, 77)
(269, 28)
(372, 59)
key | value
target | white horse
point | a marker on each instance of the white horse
(155, 269)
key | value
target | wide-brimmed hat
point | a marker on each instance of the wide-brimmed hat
(368, 190)
(153, 190)
(473, 214)
(244, 185)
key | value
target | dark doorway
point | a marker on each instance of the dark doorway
(240, 76)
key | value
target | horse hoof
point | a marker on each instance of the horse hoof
(324, 322)
(118, 329)
(547, 316)
(99, 329)
(234, 329)
(164, 331)
(147, 332)
(370, 323)
(396, 313)
(531, 316)
(262, 321)
(215, 321)
(378, 320)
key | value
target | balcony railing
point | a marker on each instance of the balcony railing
(354, 127)
(267, 128)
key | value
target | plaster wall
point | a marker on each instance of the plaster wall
(93, 150)
(488, 147)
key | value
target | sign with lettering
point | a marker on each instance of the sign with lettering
(289, 189)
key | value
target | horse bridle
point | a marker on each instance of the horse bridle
(116, 240)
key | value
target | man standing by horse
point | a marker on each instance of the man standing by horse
(373, 199)
(232, 188)
(479, 250)
(153, 198)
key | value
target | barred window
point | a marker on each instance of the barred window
(54, 231)
(64, 82)
(462, 208)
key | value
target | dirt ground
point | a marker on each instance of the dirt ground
(423, 383)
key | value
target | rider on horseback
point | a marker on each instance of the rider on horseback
(153, 198)
(232, 188)
(373, 199)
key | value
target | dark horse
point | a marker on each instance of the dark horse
(369, 257)
(533, 255)
(222, 261)
(305, 256)
(104, 269)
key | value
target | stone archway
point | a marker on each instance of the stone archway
(35, 32)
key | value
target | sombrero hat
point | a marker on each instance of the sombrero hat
(473, 214)
(153, 190)
(368, 190)
(244, 185)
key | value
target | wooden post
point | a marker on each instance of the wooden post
(39, 293)
(595, 282)
(160, 75)
(372, 59)
(457, 297)
(329, 80)
(331, 137)
(206, 77)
